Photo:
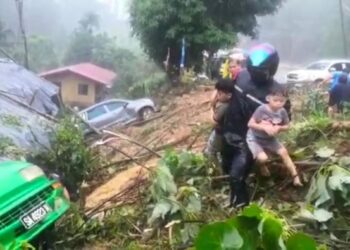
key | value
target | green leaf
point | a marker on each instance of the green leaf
(248, 229)
(344, 161)
(271, 233)
(300, 241)
(194, 204)
(160, 210)
(319, 215)
(325, 152)
(253, 211)
(189, 232)
(322, 215)
(318, 193)
(219, 236)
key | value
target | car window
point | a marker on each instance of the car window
(347, 65)
(95, 112)
(114, 105)
(318, 66)
(337, 66)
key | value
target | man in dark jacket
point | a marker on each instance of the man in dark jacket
(252, 87)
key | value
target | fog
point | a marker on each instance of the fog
(305, 30)
(57, 19)
(301, 30)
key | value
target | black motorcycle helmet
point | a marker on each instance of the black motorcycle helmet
(262, 63)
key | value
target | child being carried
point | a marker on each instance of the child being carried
(266, 123)
(224, 88)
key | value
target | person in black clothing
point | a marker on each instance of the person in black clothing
(251, 89)
(224, 89)
(339, 95)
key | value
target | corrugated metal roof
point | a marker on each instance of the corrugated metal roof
(88, 70)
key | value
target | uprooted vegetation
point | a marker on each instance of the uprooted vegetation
(162, 198)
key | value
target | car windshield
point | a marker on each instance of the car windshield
(318, 66)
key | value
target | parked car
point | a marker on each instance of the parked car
(30, 203)
(118, 111)
(317, 71)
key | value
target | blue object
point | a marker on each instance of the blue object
(335, 79)
(183, 54)
(260, 53)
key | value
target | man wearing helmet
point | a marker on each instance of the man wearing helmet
(251, 89)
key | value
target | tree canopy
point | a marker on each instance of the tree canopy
(205, 24)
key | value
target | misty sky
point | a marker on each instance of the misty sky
(302, 30)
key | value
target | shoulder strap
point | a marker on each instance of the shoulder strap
(250, 97)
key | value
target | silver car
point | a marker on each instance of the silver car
(118, 111)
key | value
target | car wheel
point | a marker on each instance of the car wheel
(146, 113)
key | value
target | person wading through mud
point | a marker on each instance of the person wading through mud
(252, 87)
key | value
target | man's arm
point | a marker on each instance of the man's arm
(327, 79)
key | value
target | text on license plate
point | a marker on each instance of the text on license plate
(35, 215)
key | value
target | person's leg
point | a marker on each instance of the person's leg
(240, 166)
(283, 153)
(226, 162)
(259, 155)
(261, 159)
(212, 148)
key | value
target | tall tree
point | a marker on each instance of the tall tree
(19, 6)
(205, 25)
(42, 54)
(83, 40)
(4, 35)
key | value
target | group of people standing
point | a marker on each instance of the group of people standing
(249, 110)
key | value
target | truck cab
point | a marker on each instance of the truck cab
(30, 203)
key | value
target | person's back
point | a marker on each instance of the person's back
(242, 108)
(340, 93)
(335, 78)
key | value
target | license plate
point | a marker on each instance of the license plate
(35, 215)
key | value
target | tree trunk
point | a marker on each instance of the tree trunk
(19, 6)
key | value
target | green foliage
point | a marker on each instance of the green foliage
(9, 149)
(254, 228)
(137, 76)
(4, 35)
(83, 41)
(42, 53)
(69, 155)
(206, 25)
(112, 227)
(173, 191)
(316, 103)
(326, 183)
(11, 120)
(310, 129)
(148, 86)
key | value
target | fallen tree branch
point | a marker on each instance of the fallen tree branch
(49, 117)
(124, 137)
(341, 125)
(136, 181)
(314, 164)
(143, 122)
(99, 143)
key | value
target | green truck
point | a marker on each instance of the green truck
(30, 203)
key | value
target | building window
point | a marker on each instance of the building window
(83, 89)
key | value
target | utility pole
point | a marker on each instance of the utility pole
(345, 45)
(19, 6)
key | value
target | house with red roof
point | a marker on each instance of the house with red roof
(82, 84)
